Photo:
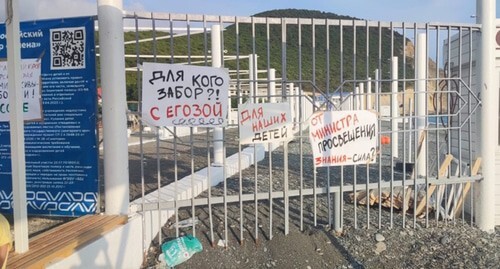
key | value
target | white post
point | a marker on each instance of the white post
(114, 104)
(297, 104)
(355, 99)
(217, 62)
(377, 90)
(420, 109)
(489, 115)
(252, 76)
(362, 96)
(410, 127)
(394, 108)
(369, 94)
(16, 128)
(272, 85)
(291, 100)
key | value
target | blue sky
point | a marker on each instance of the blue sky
(385, 10)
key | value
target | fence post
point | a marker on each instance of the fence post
(18, 159)
(489, 115)
(114, 104)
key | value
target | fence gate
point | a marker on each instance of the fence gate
(426, 158)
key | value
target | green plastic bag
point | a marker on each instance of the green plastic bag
(180, 250)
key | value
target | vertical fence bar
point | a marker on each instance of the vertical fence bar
(300, 85)
(338, 198)
(379, 91)
(395, 127)
(271, 99)
(437, 108)
(406, 118)
(328, 179)
(157, 141)
(286, 199)
(469, 99)
(240, 101)
(141, 146)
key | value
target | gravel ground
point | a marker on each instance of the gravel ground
(310, 243)
(371, 238)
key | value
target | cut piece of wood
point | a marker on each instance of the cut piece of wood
(442, 172)
(474, 171)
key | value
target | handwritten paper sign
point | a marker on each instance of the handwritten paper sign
(30, 87)
(184, 95)
(343, 137)
(264, 123)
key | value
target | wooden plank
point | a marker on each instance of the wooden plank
(442, 172)
(61, 233)
(474, 171)
(63, 240)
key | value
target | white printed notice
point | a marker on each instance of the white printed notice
(343, 137)
(30, 87)
(264, 123)
(184, 95)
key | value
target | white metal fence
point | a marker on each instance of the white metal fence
(424, 175)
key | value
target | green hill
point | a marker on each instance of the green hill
(305, 62)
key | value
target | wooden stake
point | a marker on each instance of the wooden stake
(442, 172)
(474, 171)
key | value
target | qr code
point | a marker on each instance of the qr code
(67, 48)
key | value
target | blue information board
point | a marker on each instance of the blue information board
(61, 146)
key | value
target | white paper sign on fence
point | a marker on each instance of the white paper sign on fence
(184, 95)
(343, 137)
(265, 122)
(30, 87)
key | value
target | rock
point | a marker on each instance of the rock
(221, 243)
(380, 247)
(445, 240)
(379, 237)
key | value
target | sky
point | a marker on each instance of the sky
(384, 10)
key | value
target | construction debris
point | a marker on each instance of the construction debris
(449, 205)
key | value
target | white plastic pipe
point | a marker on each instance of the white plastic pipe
(355, 99)
(291, 100)
(362, 96)
(114, 105)
(18, 159)
(489, 116)
(394, 107)
(377, 90)
(369, 94)
(217, 62)
(252, 76)
(421, 52)
(272, 85)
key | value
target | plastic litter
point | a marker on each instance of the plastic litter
(180, 250)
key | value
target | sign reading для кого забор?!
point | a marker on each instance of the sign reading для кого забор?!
(343, 137)
(184, 95)
(264, 122)
(30, 87)
(59, 103)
